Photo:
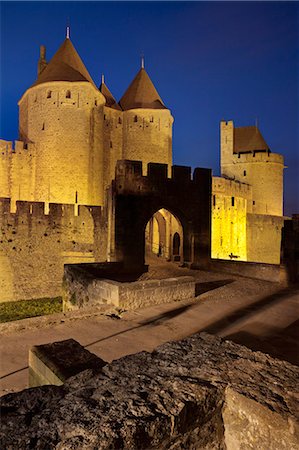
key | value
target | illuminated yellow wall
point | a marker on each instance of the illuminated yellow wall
(147, 136)
(64, 121)
(113, 142)
(229, 210)
(263, 171)
(264, 238)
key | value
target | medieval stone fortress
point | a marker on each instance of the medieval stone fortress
(89, 195)
(77, 146)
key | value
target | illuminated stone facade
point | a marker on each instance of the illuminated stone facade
(71, 134)
(247, 211)
(54, 180)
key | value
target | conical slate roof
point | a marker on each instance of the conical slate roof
(66, 65)
(110, 100)
(141, 94)
(249, 139)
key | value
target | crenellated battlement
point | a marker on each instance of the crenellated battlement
(227, 186)
(128, 171)
(41, 211)
(8, 148)
(257, 157)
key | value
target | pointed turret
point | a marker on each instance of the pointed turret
(110, 100)
(66, 65)
(141, 94)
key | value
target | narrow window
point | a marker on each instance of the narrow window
(110, 144)
(68, 94)
(49, 94)
(244, 173)
(253, 202)
(214, 200)
(95, 103)
(135, 119)
(43, 127)
(233, 201)
(151, 119)
(119, 120)
(104, 116)
(76, 197)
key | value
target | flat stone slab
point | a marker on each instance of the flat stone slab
(56, 362)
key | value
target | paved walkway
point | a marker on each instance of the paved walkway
(255, 313)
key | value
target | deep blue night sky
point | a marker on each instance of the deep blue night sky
(208, 60)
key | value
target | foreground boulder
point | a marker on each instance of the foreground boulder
(198, 393)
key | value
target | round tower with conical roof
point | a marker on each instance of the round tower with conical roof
(62, 115)
(147, 127)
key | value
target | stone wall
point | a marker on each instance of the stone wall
(262, 170)
(113, 142)
(64, 120)
(91, 290)
(264, 238)
(34, 246)
(290, 248)
(147, 136)
(230, 203)
(17, 171)
(261, 271)
(199, 393)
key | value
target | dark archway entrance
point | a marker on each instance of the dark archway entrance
(134, 199)
(176, 246)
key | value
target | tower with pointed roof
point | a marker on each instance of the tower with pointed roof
(147, 128)
(61, 115)
(247, 158)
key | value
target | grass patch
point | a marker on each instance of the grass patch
(23, 309)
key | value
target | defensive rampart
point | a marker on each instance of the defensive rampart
(38, 239)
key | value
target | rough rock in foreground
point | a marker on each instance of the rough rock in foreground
(198, 393)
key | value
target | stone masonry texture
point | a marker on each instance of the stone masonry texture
(198, 393)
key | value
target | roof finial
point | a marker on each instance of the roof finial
(142, 61)
(103, 78)
(256, 122)
(68, 27)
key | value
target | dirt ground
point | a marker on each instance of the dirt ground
(258, 314)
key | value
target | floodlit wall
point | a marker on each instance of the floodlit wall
(229, 216)
(264, 238)
(262, 170)
(64, 120)
(34, 246)
(113, 142)
(147, 136)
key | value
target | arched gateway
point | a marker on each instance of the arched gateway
(133, 199)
